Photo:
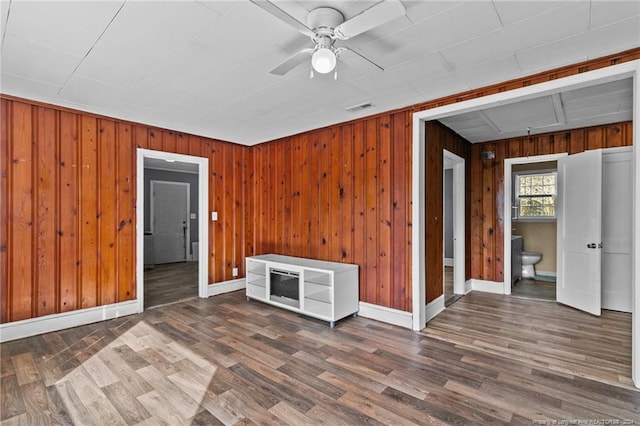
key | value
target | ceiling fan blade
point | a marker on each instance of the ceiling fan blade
(381, 13)
(283, 16)
(351, 57)
(292, 62)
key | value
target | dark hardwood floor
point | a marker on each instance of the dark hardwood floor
(487, 359)
(170, 283)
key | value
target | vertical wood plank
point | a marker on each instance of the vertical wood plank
(324, 195)
(141, 136)
(476, 237)
(313, 189)
(21, 193)
(595, 138)
(334, 205)
(385, 185)
(359, 239)
(108, 204)
(499, 214)
(346, 194)
(371, 211)
(238, 228)
(5, 122)
(287, 182)
(305, 201)
(488, 215)
(125, 240)
(68, 211)
(435, 139)
(169, 142)
(155, 139)
(88, 212)
(46, 264)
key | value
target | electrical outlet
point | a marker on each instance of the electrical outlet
(234, 272)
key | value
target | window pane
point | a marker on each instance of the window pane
(536, 195)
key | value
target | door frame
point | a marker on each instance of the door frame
(508, 200)
(187, 186)
(629, 69)
(203, 214)
(459, 208)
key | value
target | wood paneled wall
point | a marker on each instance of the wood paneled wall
(487, 185)
(67, 200)
(437, 139)
(342, 194)
(67, 207)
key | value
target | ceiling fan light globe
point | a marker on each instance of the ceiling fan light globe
(323, 60)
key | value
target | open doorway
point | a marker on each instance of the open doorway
(533, 229)
(171, 232)
(172, 228)
(454, 227)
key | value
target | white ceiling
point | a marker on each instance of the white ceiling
(202, 67)
(599, 104)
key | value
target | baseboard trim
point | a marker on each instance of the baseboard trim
(448, 261)
(467, 286)
(387, 315)
(546, 273)
(434, 307)
(226, 287)
(55, 322)
(487, 286)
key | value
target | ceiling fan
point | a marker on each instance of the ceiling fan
(324, 26)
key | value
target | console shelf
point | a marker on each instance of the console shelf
(326, 290)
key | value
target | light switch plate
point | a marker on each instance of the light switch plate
(193, 215)
(214, 216)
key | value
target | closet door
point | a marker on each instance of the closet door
(579, 211)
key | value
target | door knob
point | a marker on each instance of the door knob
(592, 245)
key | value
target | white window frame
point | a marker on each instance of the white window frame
(516, 195)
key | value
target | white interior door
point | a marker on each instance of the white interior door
(170, 221)
(579, 211)
(617, 225)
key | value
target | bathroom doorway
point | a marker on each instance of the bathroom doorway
(534, 230)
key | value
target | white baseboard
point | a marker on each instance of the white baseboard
(31, 327)
(487, 286)
(226, 287)
(434, 307)
(546, 273)
(384, 314)
(448, 261)
(467, 286)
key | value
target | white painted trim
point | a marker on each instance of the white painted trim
(203, 216)
(386, 315)
(226, 287)
(546, 273)
(468, 286)
(448, 261)
(49, 323)
(168, 169)
(418, 250)
(434, 307)
(494, 287)
(508, 192)
(635, 327)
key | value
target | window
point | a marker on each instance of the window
(536, 195)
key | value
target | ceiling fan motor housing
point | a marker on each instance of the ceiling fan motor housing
(323, 20)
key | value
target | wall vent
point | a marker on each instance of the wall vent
(360, 107)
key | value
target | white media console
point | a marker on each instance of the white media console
(320, 289)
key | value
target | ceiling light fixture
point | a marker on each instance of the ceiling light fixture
(323, 60)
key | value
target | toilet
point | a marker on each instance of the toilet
(530, 258)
